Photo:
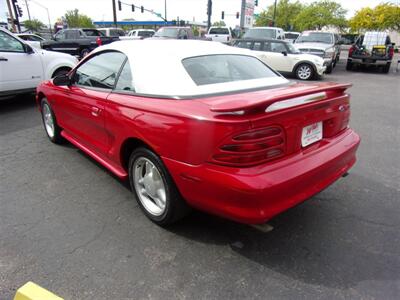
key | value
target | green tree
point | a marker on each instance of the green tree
(286, 12)
(383, 16)
(33, 25)
(219, 24)
(321, 13)
(75, 19)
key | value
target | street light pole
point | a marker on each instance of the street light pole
(273, 21)
(165, 10)
(10, 13)
(114, 13)
(27, 9)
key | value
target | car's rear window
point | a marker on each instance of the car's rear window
(145, 33)
(92, 32)
(221, 68)
(291, 36)
(219, 30)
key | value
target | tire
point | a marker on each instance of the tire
(304, 72)
(53, 131)
(154, 188)
(349, 65)
(386, 68)
(329, 68)
(84, 52)
(61, 71)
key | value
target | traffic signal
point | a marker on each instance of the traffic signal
(19, 10)
(133, 7)
(237, 15)
(222, 15)
(256, 2)
(142, 9)
(119, 5)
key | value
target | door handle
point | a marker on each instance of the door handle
(3, 58)
(96, 111)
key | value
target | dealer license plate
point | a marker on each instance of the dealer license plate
(311, 134)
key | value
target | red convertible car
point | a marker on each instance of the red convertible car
(202, 125)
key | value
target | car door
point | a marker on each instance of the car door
(80, 109)
(277, 57)
(19, 68)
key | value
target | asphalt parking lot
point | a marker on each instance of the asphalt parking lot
(67, 224)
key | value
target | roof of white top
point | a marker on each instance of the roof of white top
(157, 67)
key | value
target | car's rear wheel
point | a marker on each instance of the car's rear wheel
(305, 72)
(154, 188)
(386, 68)
(349, 65)
(51, 127)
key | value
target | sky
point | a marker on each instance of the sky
(191, 10)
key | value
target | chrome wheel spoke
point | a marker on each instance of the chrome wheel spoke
(150, 186)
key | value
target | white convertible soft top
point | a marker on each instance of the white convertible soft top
(157, 67)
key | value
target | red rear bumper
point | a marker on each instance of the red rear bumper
(255, 195)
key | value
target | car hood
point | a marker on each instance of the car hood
(321, 46)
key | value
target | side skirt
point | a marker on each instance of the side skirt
(118, 171)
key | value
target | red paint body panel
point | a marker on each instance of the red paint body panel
(187, 134)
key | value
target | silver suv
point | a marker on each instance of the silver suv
(323, 44)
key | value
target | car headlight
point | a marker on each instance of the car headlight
(328, 54)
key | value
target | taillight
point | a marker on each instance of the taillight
(98, 41)
(351, 50)
(391, 52)
(251, 148)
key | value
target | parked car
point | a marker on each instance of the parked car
(31, 39)
(220, 131)
(323, 44)
(78, 41)
(285, 58)
(23, 67)
(174, 32)
(112, 31)
(219, 34)
(265, 33)
(373, 48)
(140, 34)
(291, 36)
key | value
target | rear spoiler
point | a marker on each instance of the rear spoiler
(245, 102)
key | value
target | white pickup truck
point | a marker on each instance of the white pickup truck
(22, 67)
(219, 34)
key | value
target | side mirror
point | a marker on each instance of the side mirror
(28, 49)
(62, 80)
(284, 53)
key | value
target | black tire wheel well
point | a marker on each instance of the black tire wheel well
(60, 70)
(128, 147)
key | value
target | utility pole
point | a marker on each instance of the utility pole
(10, 13)
(27, 9)
(165, 10)
(273, 21)
(209, 13)
(114, 13)
(14, 4)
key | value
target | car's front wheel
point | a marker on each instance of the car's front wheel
(386, 68)
(51, 127)
(305, 72)
(154, 188)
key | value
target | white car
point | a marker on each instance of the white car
(285, 58)
(265, 33)
(140, 34)
(31, 39)
(22, 67)
(219, 34)
(291, 36)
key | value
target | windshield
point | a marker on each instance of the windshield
(212, 69)
(292, 49)
(220, 30)
(167, 32)
(92, 32)
(146, 33)
(257, 33)
(315, 37)
(291, 36)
